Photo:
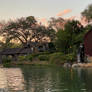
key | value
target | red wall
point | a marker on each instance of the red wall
(88, 43)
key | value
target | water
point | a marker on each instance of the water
(57, 79)
(52, 79)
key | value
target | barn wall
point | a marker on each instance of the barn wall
(88, 43)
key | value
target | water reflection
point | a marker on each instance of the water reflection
(3, 81)
(47, 79)
(85, 75)
(15, 79)
(54, 79)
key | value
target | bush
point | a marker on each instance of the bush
(22, 58)
(43, 57)
(6, 59)
(70, 57)
(57, 58)
(29, 57)
(25, 58)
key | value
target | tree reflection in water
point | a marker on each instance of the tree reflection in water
(57, 79)
(48, 79)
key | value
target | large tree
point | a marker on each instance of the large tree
(69, 39)
(26, 30)
(19, 29)
(88, 13)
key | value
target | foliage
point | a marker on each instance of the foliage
(19, 29)
(71, 57)
(69, 39)
(25, 30)
(25, 58)
(52, 47)
(56, 23)
(88, 13)
(87, 28)
(43, 57)
(57, 58)
(6, 61)
(22, 58)
(29, 57)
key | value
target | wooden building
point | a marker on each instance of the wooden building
(88, 44)
(28, 49)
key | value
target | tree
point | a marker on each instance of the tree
(88, 13)
(57, 23)
(26, 30)
(69, 38)
(19, 29)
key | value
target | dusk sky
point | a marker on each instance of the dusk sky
(11, 9)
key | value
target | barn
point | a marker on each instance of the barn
(88, 44)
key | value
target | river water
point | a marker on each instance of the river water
(56, 79)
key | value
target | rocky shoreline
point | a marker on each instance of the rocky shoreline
(76, 65)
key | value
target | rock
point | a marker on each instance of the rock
(75, 65)
(67, 65)
(82, 65)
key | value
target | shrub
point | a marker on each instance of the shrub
(6, 59)
(57, 58)
(25, 58)
(22, 58)
(43, 57)
(70, 57)
(29, 57)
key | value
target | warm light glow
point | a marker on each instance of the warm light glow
(44, 21)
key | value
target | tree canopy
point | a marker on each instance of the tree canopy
(26, 30)
(69, 38)
(88, 13)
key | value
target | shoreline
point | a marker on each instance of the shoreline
(46, 63)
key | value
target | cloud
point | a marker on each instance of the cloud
(64, 12)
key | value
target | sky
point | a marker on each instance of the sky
(12, 9)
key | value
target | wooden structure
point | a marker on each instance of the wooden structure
(15, 52)
(88, 43)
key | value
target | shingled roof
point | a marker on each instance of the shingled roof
(13, 51)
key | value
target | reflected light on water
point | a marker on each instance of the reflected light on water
(46, 79)
(15, 79)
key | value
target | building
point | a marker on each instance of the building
(88, 45)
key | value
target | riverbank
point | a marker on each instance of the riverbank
(46, 63)
(82, 65)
